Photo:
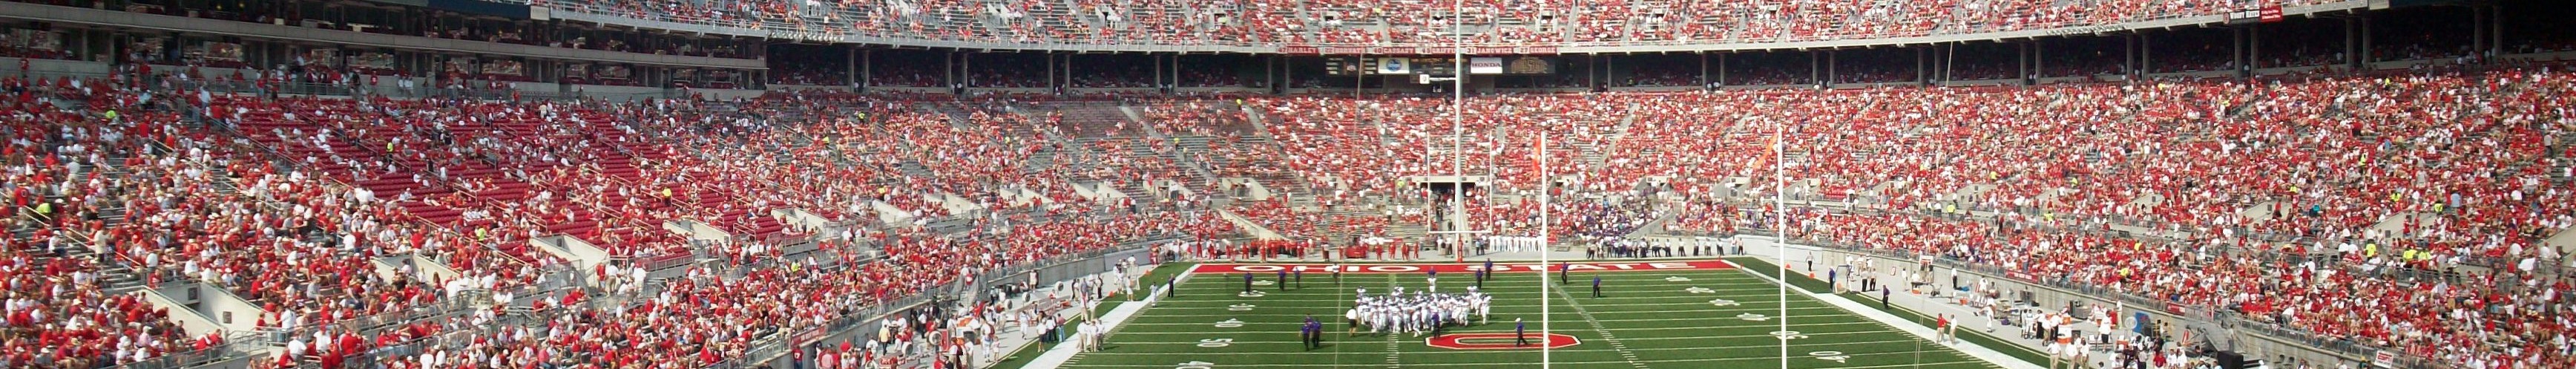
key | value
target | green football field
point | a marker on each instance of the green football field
(1722, 318)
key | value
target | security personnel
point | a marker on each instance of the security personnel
(1560, 273)
(1596, 286)
(1314, 333)
(1520, 333)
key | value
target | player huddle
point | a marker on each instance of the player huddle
(1418, 312)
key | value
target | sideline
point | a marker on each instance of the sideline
(1056, 357)
(1909, 327)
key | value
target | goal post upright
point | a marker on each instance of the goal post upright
(1546, 302)
(1780, 225)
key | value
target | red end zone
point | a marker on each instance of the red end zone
(1499, 341)
(1460, 268)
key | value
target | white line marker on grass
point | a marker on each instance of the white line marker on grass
(1835, 356)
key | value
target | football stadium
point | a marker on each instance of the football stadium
(1267, 184)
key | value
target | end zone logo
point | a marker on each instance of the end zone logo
(1500, 341)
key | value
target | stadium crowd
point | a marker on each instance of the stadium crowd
(2395, 176)
(2334, 195)
(294, 204)
(1265, 23)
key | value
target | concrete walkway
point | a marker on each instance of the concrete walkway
(1058, 355)
(1013, 339)
(1967, 318)
(1910, 327)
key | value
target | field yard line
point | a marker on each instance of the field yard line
(1394, 347)
(1909, 327)
(1394, 352)
(1606, 336)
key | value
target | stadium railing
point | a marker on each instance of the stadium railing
(2206, 313)
(235, 346)
(1050, 270)
(2347, 346)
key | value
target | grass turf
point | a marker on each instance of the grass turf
(2025, 353)
(1654, 319)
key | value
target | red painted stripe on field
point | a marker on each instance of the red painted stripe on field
(1462, 268)
(1500, 341)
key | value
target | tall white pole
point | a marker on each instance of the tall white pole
(1545, 298)
(1457, 127)
(1780, 224)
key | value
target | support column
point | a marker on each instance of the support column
(1157, 60)
(966, 68)
(1592, 72)
(2496, 47)
(1703, 70)
(867, 69)
(2146, 53)
(1815, 67)
(1287, 72)
(2236, 47)
(2129, 56)
(1833, 68)
(2351, 43)
(1049, 56)
(2477, 33)
(1920, 72)
(2366, 45)
(2021, 57)
(2253, 48)
(2038, 60)
(850, 66)
(1721, 69)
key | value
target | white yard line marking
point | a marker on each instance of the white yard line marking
(1606, 336)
